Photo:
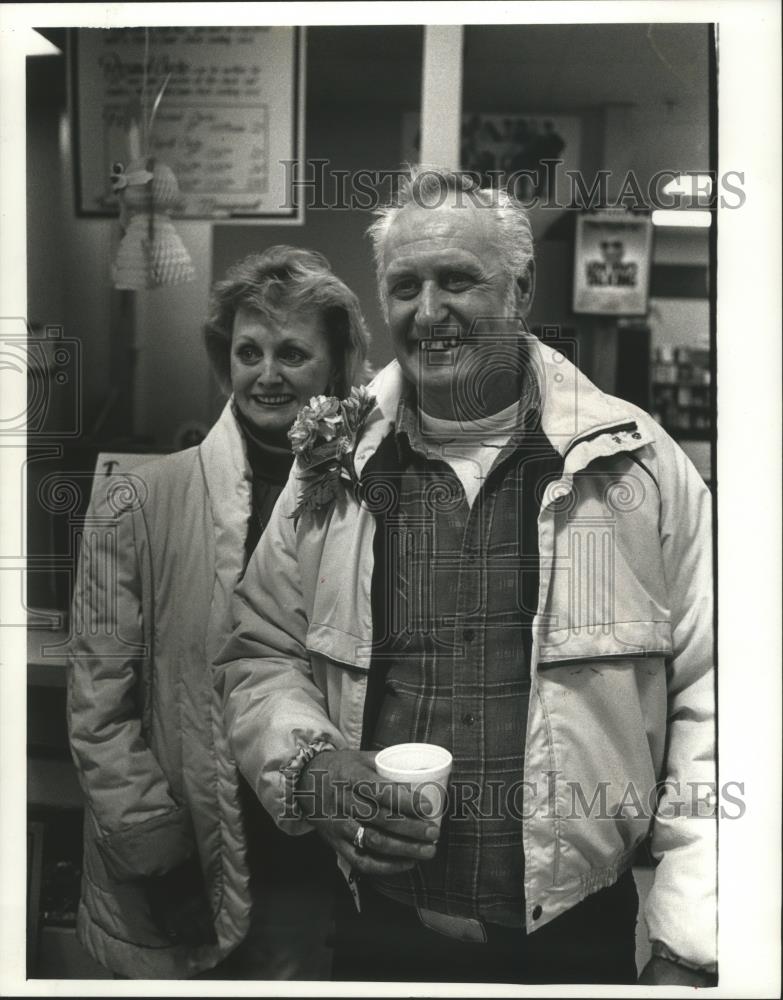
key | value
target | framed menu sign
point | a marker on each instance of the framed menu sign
(612, 264)
(229, 124)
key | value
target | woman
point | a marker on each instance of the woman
(176, 845)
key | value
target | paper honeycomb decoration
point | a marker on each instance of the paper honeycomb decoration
(151, 253)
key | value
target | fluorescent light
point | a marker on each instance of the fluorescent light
(690, 185)
(692, 218)
(36, 45)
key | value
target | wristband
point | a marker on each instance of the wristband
(292, 772)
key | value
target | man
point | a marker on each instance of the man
(518, 569)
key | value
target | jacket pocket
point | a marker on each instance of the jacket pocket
(602, 690)
(624, 639)
(343, 647)
(152, 847)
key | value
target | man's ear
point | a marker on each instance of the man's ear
(526, 289)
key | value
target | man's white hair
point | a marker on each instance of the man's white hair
(433, 186)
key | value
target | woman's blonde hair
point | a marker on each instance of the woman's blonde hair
(289, 279)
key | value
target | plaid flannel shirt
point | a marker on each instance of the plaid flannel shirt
(454, 592)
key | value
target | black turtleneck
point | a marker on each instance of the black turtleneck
(270, 458)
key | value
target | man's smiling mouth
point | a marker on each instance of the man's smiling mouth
(439, 344)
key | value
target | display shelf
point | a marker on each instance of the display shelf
(681, 392)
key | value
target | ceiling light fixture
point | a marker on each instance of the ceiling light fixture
(690, 185)
(691, 218)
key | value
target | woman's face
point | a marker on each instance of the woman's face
(277, 364)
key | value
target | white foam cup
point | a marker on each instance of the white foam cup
(422, 766)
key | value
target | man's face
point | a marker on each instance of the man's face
(443, 280)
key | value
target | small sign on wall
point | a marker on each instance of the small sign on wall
(612, 264)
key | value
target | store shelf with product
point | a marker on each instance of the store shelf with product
(681, 391)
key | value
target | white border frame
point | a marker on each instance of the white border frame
(749, 499)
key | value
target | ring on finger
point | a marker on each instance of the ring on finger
(358, 839)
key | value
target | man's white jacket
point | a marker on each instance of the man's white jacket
(620, 738)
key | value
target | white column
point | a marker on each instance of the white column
(620, 145)
(441, 95)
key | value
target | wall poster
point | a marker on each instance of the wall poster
(527, 154)
(229, 124)
(612, 264)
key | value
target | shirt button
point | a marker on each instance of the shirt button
(469, 635)
(537, 911)
(468, 718)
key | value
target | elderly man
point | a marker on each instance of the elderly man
(499, 559)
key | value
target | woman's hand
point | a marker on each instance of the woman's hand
(339, 791)
(179, 906)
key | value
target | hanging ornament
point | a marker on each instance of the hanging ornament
(151, 253)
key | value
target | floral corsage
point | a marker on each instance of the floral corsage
(324, 438)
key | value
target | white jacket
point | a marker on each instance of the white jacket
(622, 693)
(163, 550)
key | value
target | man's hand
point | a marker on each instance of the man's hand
(660, 971)
(340, 790)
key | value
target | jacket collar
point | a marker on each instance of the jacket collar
(228, 484)
(227, 472)
(581, 422)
